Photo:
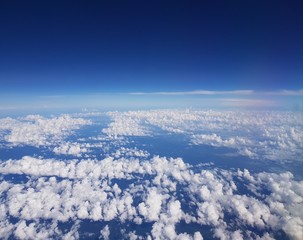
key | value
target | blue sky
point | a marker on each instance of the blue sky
(79, 50)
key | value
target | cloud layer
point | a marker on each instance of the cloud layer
(36, 130)
(260, 135)
(161, 192)
(114, 181)
(283, 92)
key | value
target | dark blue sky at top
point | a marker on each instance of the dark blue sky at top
(125, 46)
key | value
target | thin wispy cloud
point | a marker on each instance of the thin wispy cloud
(283, 92)
(286, 92)
(197, 92)
(240, 102)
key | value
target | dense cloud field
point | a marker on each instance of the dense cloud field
(158, 174)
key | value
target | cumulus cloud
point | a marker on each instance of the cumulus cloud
(259, 135)
(68, 148)
(132, 187)
(151, 208)
(36, 130)
(105, 232)
(73, 190)
(130, 152)
(239, 143)
(124, 125)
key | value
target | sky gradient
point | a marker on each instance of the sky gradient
(80, 48)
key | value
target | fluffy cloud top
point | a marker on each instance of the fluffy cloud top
(258, 135)
(132, 187)
(269, 135)
(161, 191)
(124, 125)
(36, 130)
(69, 148)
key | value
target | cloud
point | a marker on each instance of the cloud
(130, 152)
(133, 187)
(241, 102)
(73, 191)
(240, 143)
(124, 125)
(256, 134)
(151, 208)
(36, 130)
(105, 232)
(215, 140)
(198, 92)
(69, 148)
(283, 92)
(286, 92)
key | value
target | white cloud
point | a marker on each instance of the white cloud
(238, 143)
(283, 92)
(36, 130)
(259, 134)
(198, 92)
(68, 148)
(105, 232)
(130, 152)
(247, 103)
(75, 190)
(130, 186)
(151, 208)
(124, 125)
(215, 140)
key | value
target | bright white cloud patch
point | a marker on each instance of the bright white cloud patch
(74, 149)
(127, 124)
(118, 187)
(68, 190)
(130, 152)
(36, 130)
(269, 135)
